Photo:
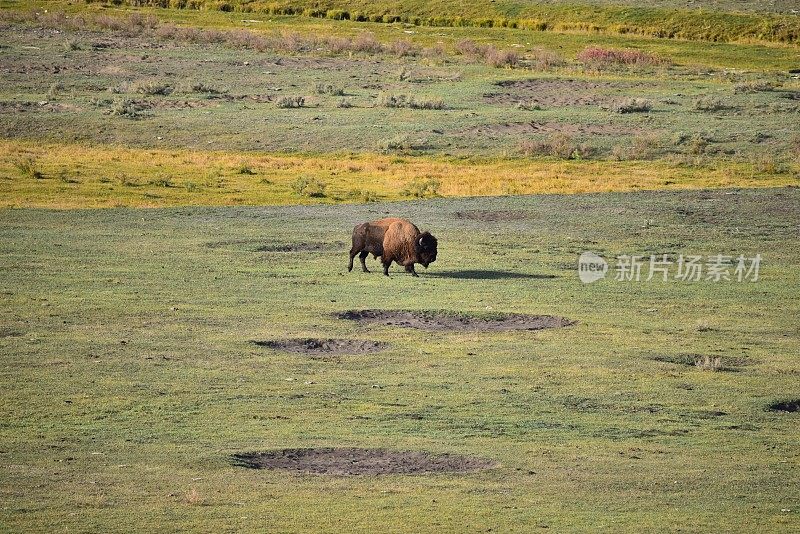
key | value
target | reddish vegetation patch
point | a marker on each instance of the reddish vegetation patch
(355, 461)
(428, 320)
(597, 57)
(323, 347)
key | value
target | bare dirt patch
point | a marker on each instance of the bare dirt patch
(356, 461)
(159, 104)
(785, 406)
(493, 215)
(324, 347)
(258, 245)
(36, 107)
(300, 247)
(533, 127)
(557, 92)
(8, 332)
(444, 320)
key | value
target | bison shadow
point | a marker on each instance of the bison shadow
(488, 275)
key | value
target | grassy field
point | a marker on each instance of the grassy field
(207, 112)
(660, 19)
(130, 375)
(75, 176)
(177, 185)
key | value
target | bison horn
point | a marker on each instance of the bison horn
(420, 241)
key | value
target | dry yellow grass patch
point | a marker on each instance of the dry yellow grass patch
(77, 176)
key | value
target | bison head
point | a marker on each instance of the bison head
(426, 249)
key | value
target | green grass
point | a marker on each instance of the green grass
(68, 176)
(560, 16)
(739, 55)
(127, 366)
(129, 377)
(108, 105)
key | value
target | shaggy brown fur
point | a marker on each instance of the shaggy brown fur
(394, 240)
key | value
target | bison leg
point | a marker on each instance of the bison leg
(386, 265)
(353, 253)
(363, 258)
(410, 269)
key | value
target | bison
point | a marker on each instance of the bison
(394, 240)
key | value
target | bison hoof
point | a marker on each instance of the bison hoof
(366, 270)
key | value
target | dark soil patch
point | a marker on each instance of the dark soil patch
(477, 274)
(300, 247)
(355, 461)
(305, 246)
(533, 127)
(233, 243)
(703, 361)
(785, 406)
(170, 103)
(493, 216)
(260, 99)
(443, 320)
(7, 332)
(324, 347)
(36, 107)
(557, 92)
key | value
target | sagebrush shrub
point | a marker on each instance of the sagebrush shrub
(600, 58)
(501, 58)
(286, 102)
(468, 47)
(710, 103)
(309, 186)
(403, 48)
(150, 88)
(200, 87)
(529, 106)
(488, 53)
(406, 101)
(708, 363)
(328, 89)
(161, 181)
(127, 108)
(366, 42)
(54, 90)
(543, 59)
(403, 142)
(632, 105)
(753, 87)
(362, 195)
(422, 187)
(558, 145)
(28, 168)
